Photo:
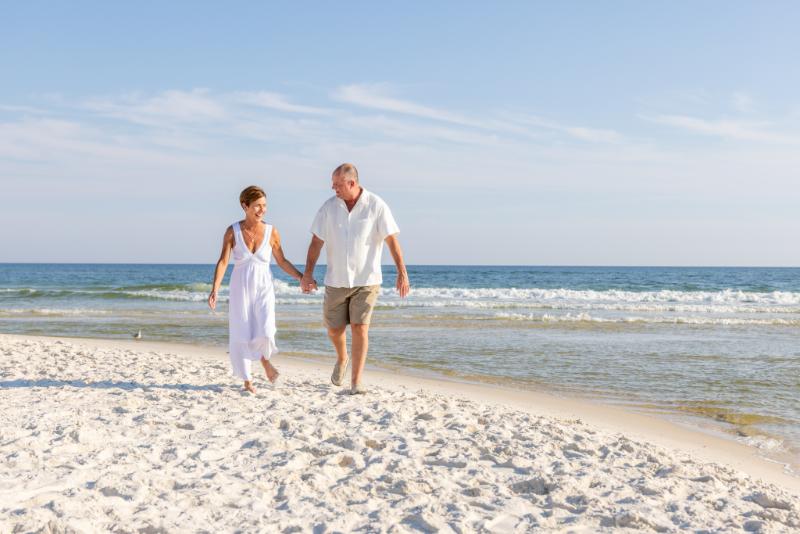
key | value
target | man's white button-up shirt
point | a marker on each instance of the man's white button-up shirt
(354, 240)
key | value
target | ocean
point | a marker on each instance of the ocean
(715, 348)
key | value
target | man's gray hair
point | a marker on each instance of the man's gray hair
(347, 170)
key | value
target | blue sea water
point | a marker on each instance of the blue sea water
(715, 347)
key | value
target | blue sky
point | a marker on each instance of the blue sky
(585, 133)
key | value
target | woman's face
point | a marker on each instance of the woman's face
(256, 209)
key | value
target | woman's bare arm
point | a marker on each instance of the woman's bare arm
(222, 266)
(280, 259)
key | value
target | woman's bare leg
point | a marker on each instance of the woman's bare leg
(248, 386)
(272, 373)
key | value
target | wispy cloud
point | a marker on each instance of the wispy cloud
(583, 133)
(374, 97)
(192, 119)
(24, 109)
(742, 102)
(415, 132)
(724, 128)
(148, 150)
(54, 140)
(189, 119)
(181, 106)
(277, 102)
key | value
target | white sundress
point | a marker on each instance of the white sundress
(251, 315)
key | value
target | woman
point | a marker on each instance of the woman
(251, 320)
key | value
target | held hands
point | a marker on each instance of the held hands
(403, 286)
(308, 284)
(212, 300)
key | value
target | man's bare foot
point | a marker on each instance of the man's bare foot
(248, 386)
(337, 377)
(357, 389)
(272, 373)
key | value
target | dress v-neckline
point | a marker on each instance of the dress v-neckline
(258, 249)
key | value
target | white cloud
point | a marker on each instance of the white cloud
(416, 133)
(181, 119)
(55, 140)
(742, 102)
(162, 109)
(201, 120)
(374, 97)
(727, 129)
(278, 102)
(24, 109)
(583, 133)
(186, 165)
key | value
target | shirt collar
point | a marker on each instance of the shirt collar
(361, 200)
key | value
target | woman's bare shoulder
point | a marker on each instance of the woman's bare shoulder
(275, 237)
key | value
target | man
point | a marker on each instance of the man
(354, 225)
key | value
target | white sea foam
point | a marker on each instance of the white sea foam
(199, 292)
(687, 302)
(174, 294)
(764, 443)
(585, 317)
(727, 296)
(54, 312)
(414, 301)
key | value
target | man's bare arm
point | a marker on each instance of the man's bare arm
(308, 283)
(402, 285)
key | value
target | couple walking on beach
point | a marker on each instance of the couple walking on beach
(352, 225)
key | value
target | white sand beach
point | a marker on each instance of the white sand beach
(126, 436)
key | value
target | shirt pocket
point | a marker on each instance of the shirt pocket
(361, 230)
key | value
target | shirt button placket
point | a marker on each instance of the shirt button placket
(349, 249)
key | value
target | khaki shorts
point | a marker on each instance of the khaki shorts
(349, 305)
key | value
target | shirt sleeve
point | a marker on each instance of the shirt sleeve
(386, 223)
(318, 226)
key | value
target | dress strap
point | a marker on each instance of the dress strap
(237, 234)
(267, 236)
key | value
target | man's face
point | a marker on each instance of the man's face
(345, 188)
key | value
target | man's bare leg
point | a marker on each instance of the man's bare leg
(272, 373)
(360, 333)
(339, 339)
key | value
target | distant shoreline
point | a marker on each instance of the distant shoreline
(438, 265)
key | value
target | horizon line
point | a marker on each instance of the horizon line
(683, 266)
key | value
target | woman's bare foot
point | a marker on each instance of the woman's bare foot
(248, 386)
(272, 373)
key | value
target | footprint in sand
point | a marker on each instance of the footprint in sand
(372, 444)
(538, 486)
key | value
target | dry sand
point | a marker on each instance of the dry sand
(114, 436)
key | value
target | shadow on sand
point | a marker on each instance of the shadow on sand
(108, 384)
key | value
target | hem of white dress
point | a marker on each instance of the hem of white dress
(254, 350)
